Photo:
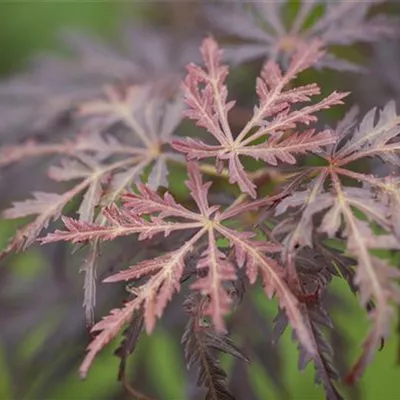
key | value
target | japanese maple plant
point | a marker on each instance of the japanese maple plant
(257, 213)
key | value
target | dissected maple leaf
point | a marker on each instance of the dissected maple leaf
(387, 192)
(329, 206)
(373, 138)
(206, 97)
(314, 273)
(128, 345)
(165, 272)
(126, 132)
(200, 339)
(103, 164)
(39, 99)
(326, 373)
(266, 34)
(375, 278)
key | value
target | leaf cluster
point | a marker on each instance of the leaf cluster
(126, 141)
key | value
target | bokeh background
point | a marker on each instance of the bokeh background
(42, 333)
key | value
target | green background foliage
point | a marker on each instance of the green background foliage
(29, 26)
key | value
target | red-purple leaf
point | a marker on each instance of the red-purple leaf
(206, 97)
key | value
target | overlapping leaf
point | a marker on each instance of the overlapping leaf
(164, 272)
(51, 89)
(375, 278)
(206, 97)
(314, 273)
(264, 33)
(200, 340)
(377, 135)
(103, 164)
(334, 212)
(129, 130)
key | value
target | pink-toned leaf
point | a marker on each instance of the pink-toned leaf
(283, 150)
(91, 199)
(68, 170)
(196, 149)
(123, 180)
(47, 207)
(153, 296)
(148, 202)
(218, 270)
(109, 327)
(239, 176)
(374, 277)
(206, 98)
(272, 276)
(198, 189)
(10, 154)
